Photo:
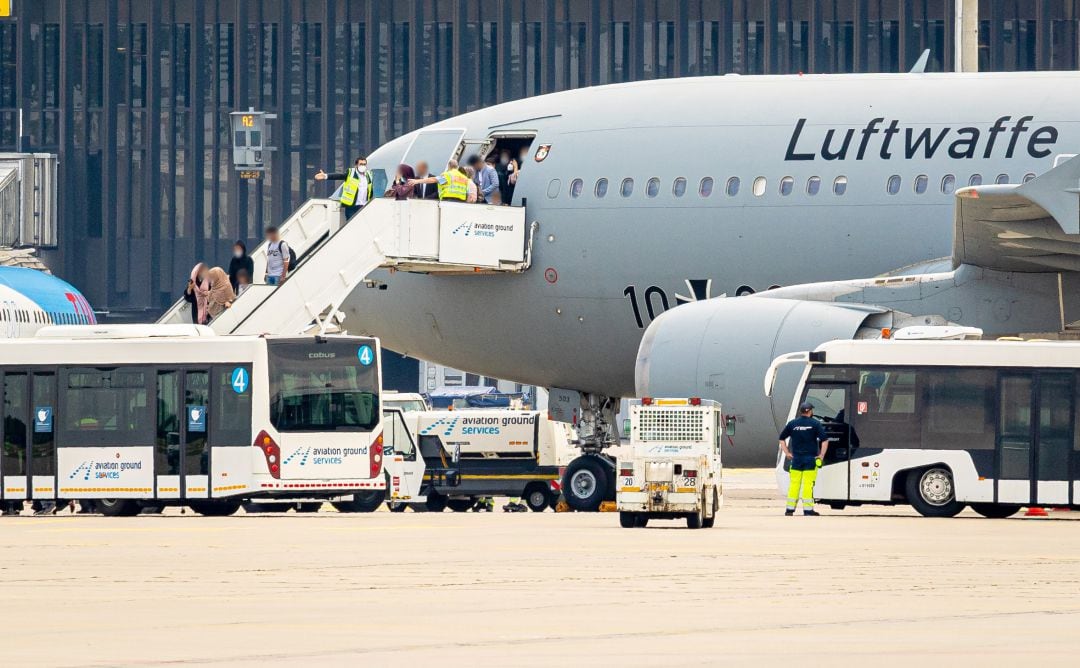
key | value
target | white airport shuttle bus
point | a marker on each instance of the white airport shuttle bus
(134, 415)
(944, 424)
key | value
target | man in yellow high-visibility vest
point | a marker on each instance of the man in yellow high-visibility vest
(452, 184)
(356, 192)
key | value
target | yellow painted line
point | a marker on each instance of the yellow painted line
(631, 489)
(505, 477)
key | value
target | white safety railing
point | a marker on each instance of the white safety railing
(302, 231)
(417, 235)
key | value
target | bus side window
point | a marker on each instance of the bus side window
(230, 422)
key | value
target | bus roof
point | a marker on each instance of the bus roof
(1040, 353)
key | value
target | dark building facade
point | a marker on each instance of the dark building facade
(135, 95)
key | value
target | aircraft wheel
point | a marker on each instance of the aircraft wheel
(585, 483)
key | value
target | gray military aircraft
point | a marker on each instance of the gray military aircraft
(677, 192)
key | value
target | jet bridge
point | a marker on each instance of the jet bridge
(421, 236)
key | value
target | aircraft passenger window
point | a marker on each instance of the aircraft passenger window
(733, 186)
(920, 184)
(705, 187)
(575, 188)
(601, 188)
(787, 184)
(760, 183)
(627, 187)
(553, 188)
(948, 184)
(1001, 179)
(975, 180)
(652, 188)
(813, 185)
(839, 185)
(679, 187)
(1029, 176)
(893, 184)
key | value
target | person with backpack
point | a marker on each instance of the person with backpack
(279, 257)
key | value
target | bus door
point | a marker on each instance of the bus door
(1035, 437)
(181, 453)
(404, 465)
(28, 460)
(832, 406)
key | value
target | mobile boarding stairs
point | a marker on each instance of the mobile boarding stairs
(424, 236)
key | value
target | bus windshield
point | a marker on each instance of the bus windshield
(323, 386)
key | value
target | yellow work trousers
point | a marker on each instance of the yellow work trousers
(805, 481)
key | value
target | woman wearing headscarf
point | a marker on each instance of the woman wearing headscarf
(400, 188)
(196, 292)
(240, 260)
(221, 294)
(473, 191)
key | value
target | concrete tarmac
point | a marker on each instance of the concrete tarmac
(871, 586)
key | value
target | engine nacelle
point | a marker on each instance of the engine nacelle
(721, 348)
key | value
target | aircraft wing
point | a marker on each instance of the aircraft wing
(1033, 227)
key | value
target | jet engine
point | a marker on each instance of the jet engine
(721, 348)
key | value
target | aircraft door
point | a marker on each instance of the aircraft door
(404, 465)
(435, 147)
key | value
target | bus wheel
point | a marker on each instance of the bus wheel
(117, 507)
(216, 507)
(641, 521)
(627, 520)
(931, 492)
(995, 511)
(537, 497)
(362, 502)
(461, 505)
(309, 507)
(585, 483)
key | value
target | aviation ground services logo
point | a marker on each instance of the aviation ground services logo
(446, 423)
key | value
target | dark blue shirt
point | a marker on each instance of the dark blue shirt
(806, 434)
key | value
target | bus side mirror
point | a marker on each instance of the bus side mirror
(729, 425)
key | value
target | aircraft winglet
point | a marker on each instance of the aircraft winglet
(920, 64)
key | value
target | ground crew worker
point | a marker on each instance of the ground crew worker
(806, 449)
(357, 190)
(452, 184)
